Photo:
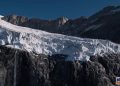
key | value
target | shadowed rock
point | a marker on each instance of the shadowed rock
(25, 69)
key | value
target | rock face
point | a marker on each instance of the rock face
(20, 68)
(104, 24)
(46, 25)
(14, 19)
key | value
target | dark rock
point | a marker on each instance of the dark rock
(112, 65)
(95, 75)
(14, 19)
(20, 68)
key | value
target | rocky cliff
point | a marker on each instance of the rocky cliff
(20, 68)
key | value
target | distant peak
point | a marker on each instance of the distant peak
(62, 20)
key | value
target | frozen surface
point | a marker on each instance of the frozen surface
(49, 43)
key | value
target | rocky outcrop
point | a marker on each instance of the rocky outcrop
(46, 25)
(14, 19)
(20, 68)
(111, 63)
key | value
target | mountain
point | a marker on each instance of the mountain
(41, 42)
(104, 24)
(46, 25)
(20, 68)
(37, 52)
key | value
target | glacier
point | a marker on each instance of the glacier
(41, 42)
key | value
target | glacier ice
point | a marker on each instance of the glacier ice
(42, 42)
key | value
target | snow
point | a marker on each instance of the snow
(42, 42)
(1, 16)
(62, 21)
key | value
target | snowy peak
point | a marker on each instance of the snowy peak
(62, 20)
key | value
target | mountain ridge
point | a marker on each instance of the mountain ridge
(101, 25)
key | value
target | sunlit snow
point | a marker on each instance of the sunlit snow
(49, 43)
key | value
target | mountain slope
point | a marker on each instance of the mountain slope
(42, 42)
(104, 24)
(109, 19)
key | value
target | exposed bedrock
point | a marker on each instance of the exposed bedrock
(20, 68)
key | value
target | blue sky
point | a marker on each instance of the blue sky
(51, 9)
